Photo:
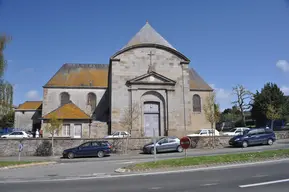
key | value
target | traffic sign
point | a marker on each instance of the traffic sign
(20, 147)
(185, 142)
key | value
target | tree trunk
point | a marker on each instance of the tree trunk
(213, 135)
(243, 117)
(52, 145)
(126, 145)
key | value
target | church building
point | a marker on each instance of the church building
(147, 87)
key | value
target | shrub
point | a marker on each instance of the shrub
(44, 149)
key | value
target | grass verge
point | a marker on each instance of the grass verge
(15, 163)
(209, 160)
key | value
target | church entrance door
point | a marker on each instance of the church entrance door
(151, 118)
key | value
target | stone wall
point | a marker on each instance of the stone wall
(9, 147)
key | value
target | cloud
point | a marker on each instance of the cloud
(283, 65)
(285, 90)
(223, 97)
(32, 95)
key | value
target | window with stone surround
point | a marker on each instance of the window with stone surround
(91, 101)
(197, 106)
(66, 130)
(64, 98)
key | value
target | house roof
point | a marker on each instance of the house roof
(148, 35)
(67, 111)
(80, 75)
(30, 105)
(197, 82)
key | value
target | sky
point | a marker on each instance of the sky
(228, 42)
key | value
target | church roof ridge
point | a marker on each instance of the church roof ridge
(85, 65)
(148, 35)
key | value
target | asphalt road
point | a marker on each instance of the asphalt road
(253, 178)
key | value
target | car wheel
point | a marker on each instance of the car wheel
(180, 149)
(70, 155)
(152, 150)
(100, 154)
(245, 144)
(270, 142)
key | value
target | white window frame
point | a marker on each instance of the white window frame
(66, 130)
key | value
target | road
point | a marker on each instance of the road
(253, 178)
(105, 166)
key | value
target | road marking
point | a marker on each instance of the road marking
(155, 188)
(209, 184)
(128, 162)
(258, 176)
(145, 174)
(264, 183)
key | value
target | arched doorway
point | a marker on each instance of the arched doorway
(151, 118)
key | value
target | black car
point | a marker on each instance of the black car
(89, 149)
(254, 137)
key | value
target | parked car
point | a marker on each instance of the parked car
(236, 131)
(88, 149)
(254, 137)
(16, 135)
(164, 144)
(118, 134)
(204, 132)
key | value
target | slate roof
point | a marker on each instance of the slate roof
(67, 111)
(148, 35)
(80, 75)
(197, 82)
(30, 105)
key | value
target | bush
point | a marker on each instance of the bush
(44, 149)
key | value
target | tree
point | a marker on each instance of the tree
(130, 117)
(242, 103)
(53, 127)
(212, 112)
(7, 120)
(270, 94)
(6, 89)
(273, 114)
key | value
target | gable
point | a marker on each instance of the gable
(152, 78)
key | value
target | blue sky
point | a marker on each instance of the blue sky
(228, 42)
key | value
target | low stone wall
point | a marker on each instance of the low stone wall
(223, 141)
(9, 147)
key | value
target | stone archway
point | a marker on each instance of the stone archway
(153, 114)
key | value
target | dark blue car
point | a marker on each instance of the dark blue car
(88, 149)
(254, 137)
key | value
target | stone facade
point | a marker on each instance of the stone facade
(26, 119)
(149, 73)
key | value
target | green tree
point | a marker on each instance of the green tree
(7, 120)
(270, 94)
(273, 113)
(53, 126)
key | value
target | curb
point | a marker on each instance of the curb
(27, 165)
(127, 170)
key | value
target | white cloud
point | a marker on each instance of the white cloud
(283, 65)
(32, 95)
(285, 90)
(223, 97)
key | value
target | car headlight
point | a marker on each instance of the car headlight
(237, 139)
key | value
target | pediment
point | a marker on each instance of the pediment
(152, 78)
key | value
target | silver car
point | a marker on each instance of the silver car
(164, 144)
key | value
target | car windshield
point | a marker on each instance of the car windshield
(233, 130)
(245, 132)
(197, 132)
